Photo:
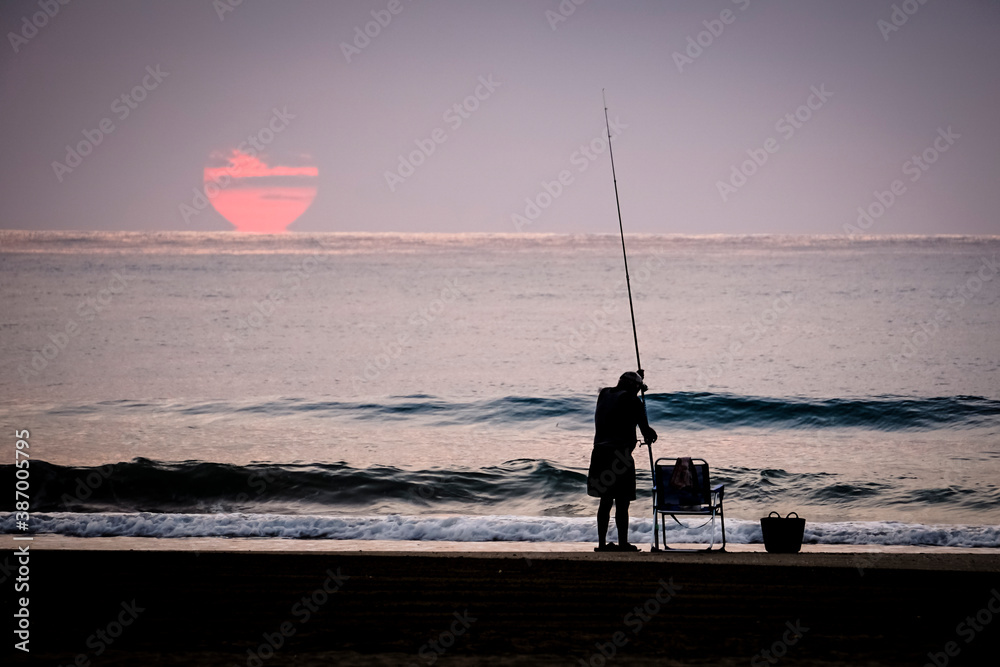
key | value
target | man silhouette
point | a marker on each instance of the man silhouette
(612, 470)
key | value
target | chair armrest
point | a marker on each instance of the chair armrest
(719, 489)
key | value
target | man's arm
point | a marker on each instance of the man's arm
(648, 434)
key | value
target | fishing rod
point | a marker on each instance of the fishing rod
(628, 285)
(621, 229)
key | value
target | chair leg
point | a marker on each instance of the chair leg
(722, 519)
(656, 535)
(662, 529)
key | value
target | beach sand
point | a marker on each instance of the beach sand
(255, 607)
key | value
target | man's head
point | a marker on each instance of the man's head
(632, 381)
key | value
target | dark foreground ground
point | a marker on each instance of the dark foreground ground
(255, 609)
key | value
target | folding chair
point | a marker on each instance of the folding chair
(699, 499)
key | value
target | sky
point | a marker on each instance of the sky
(729, 116)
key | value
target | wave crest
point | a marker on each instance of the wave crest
(679, 410)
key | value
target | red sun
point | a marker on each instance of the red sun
(257, 196)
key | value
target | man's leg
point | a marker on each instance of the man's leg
(603, 519)
(621, 520)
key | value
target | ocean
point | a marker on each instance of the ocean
(441, 387)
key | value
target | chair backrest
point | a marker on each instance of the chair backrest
(666, 497)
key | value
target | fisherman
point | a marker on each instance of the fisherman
(612, 469)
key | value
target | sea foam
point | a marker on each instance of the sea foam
(464, 528)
